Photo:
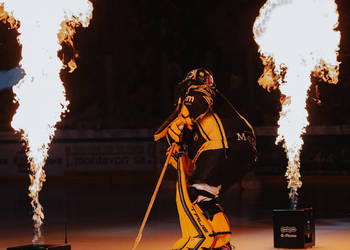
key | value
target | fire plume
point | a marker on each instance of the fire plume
(297, 39)
(43, 26)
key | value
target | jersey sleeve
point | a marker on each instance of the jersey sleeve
(198, 104)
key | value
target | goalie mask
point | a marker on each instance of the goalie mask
(200, 76)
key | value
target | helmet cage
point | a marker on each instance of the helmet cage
(200, 76)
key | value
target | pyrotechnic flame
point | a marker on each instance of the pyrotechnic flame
(43, 26)
(297, 39)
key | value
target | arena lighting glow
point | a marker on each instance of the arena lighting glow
(43, 25)
(297, 39)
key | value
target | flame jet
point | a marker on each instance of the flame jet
(297, 39)
(42, 25)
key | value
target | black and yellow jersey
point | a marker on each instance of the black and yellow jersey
(216, 123)
(205, 120)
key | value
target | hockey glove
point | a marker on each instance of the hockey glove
(174, 132)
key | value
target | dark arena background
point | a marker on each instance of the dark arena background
(103, 164)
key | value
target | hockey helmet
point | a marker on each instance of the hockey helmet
(200, 76)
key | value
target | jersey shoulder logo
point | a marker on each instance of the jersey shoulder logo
(189, 100)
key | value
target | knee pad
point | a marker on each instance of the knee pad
(203, 224)
(195, 194)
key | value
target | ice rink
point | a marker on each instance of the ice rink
(104, 212)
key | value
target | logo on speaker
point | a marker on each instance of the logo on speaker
(288, 232)
(286, 229)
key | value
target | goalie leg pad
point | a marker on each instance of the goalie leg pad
(187, 228)
(200, 229)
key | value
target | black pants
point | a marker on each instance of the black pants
(222, 167)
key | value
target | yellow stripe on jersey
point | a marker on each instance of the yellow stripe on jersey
(222, 131)
(213, 128)
(209, 145)
(202, 132)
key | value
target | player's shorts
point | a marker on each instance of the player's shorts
(222, 166)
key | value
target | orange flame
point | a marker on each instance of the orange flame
(296, 39)
(43, 26)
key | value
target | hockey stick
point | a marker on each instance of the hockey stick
(139, 235)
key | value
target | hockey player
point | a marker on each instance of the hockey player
(215, 146)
